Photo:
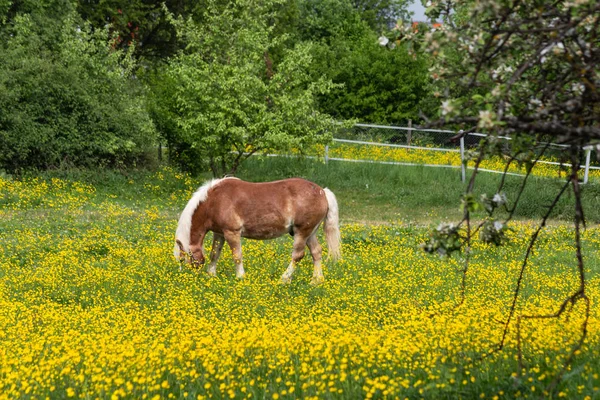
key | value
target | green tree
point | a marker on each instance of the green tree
(229, 99)
(374, 85)
(328, 21)
(139, 22)
(46, 18)
(381, 14)
(72, 102)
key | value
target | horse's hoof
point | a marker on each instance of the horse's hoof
(286, 280)
(212, 274)
(241, 276)
(317, 280)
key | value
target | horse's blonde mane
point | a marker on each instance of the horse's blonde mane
(185, 220)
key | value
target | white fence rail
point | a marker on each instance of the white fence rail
(409, 138)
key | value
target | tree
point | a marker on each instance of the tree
(529, 70)
(230, 100)
(45, 15)
(328, 21)
(374, 85)
(536, 65)
(139, 22)
(382, 14)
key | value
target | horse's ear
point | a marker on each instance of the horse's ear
(180, 246)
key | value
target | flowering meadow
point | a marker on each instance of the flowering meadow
(433, 157)
(93, 305)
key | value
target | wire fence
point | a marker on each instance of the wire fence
(397, 145)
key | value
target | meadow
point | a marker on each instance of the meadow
(353, 151)
(93, 305)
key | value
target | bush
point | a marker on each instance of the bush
(377, 85)
(72, 102)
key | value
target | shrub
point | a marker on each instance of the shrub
(69, 102)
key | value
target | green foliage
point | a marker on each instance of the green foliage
(45, 15)
(382, 14)
(71, 103)
(329, 21)
(376, 85)
(4, 7)
(139, 22)
(225, 96)
(532, 62)
(493, 232)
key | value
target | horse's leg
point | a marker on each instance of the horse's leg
(196, 248)
(315, 250)
(297, 255)
(234, 239)
(217, 245)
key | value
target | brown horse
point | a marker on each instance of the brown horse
(232, 209)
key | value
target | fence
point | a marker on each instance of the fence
(437, 141)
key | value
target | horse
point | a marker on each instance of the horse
(232, 208)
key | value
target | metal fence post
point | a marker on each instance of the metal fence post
(326, 154)
(588, 152)
(463, 167)
(409, 134)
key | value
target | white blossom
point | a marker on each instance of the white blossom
(447, 107)
(499, 199)
(485, 119)
(501, 71)
(577, 88)
(535, 102)
(558, 49)
(445, 227)
(383, 41)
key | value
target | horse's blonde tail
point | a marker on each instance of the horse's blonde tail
(332, 227)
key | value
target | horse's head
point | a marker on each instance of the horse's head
(195, 258)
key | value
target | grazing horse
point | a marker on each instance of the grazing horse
(232, 209)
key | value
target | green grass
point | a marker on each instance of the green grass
(369, 193)
(378, 193)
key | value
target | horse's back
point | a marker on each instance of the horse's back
(276, 207)
(301, 194)
(283, 189)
